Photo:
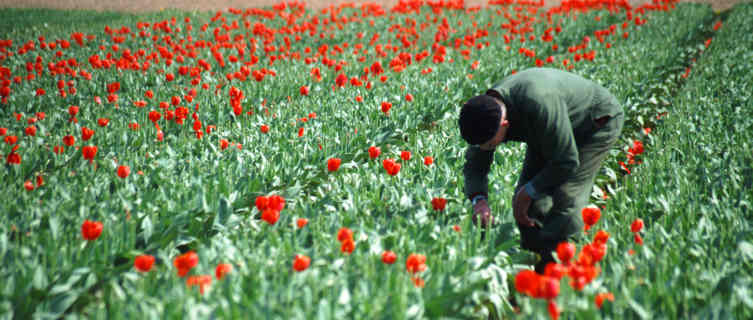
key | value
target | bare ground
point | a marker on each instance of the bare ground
(198, 5)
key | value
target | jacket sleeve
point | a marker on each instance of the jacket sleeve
(551, 135)
(475, 171)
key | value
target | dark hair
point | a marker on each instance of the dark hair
(479, 119)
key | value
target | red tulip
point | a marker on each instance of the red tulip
(348, 246)
(428, 160)
(143, 263)
(527, 282)
(91, 230)
(304, 90)
(13, 157)
(262, 203)
(276, 202)
(590, 215)
(302, 222)
(185, 262)
(301, 263)
(102, 122)
(637, 238)
(154, 116)
(601, 237)
(415, 263)
(438, 203)
(341, 80)
(388, 257)
(222, 269)
(264, 128)
(113, 87)
(124, 171)
(202, 281)
(637, 225)
(637, 147)
(555, 270)
(86, 133)
(270, 216)
(28, 185)
(565, 252)
(344, 234)
(31, 131)
(409, 97)
(11, 140)
(89, 152)
(405, 155)
(391, 166)
(386, 106)
(550, 287)
(333, 164)
(374, 152)
(73, 110)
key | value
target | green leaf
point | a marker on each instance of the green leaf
(54, 223)
(61, 302)
(746, 250)
(642, 312)
(344, 298)
(39, 281)
(743, 293)
(147, 227)
(223, 213)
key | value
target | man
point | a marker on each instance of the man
(568, 124)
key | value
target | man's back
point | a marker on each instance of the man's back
(531, 89)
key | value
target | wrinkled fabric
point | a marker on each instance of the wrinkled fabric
(568, 124)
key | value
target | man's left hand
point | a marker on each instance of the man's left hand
(520, 205)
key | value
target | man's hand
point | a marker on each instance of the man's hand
(481, 209)
(520, 205)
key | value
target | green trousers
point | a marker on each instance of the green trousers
(559, 210)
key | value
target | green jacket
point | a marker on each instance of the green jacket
(553, 112)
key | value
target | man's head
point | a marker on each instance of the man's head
(483, 122)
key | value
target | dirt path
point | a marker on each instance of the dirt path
(155, 5)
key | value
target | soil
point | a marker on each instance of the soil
(198, 5)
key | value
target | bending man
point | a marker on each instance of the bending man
(568, 124)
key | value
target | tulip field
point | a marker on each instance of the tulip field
(299, 163)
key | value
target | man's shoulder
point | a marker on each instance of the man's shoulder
(533, 80)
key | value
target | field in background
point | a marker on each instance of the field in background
(146, 5)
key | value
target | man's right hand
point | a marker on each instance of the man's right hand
(481, 212)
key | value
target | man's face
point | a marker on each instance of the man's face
(498, 137)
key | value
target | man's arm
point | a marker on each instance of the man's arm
(475, 171)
